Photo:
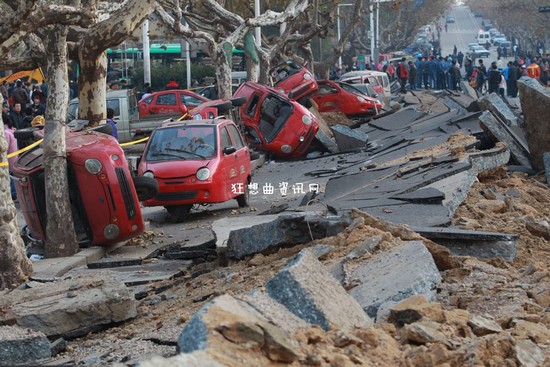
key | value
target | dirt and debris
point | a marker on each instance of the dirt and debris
(484, 312)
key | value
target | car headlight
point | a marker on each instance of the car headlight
(307, 76)
(93, 166)
(286, 149)
(111, 231)
(361, 99)
(306, 119)
(203, 174)
(149, 174)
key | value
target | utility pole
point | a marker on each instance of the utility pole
(146, 52)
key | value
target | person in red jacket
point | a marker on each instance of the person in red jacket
(533, 70)
(172, 84)
(403, 74)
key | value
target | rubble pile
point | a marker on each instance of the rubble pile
(427, 247)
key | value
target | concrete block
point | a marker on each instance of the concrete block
(307, 290)
(20, 346)
(394, 275)
(348, 139)
(284, 231)
(70, 307)
(326, 141)
(535, 104)
(492, 102)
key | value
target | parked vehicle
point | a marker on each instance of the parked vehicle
(506, 44)
(171, 102)
(274, 123)
(483, 38)
(196, 162)
(294, 80)
(104, 196)
(127, 119)
(450, 19)
(479, 51)
(343, 97)
(361, 77)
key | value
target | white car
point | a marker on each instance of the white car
(479, 51)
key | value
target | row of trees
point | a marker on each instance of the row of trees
(40, 33)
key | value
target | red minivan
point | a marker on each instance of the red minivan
(103, 194)
(170, 102)
(196, 162)
(274, 123)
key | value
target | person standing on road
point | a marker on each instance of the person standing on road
(418, 66)
(431, 67)
(412, 75)
(460, 58)
(403, 74)
(20, 95)
(112, 122)
(533, 70)
(512, 85)
(455, 76)
(494, 78)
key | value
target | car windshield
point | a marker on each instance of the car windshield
(351, 88)
(187, 142)
(273, 116)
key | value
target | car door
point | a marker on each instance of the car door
(242, 154)
(164, 103)
(229, 166)
(328, 97)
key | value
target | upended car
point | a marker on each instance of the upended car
(294, 80)
(196, 162)
(103, 194)
(334, 96)
(274, 123)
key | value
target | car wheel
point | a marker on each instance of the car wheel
(179, 212)
(26, 133)
(244, 199)
(223, 107)
(146, 187)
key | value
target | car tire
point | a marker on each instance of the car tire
(26, 133)
(179, 212)
(223, 107)
(146, 187)
(244, 199)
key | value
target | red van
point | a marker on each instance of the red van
(196, 162)
(334, 96)
(274, 123)
(103, 194)
(294, 80)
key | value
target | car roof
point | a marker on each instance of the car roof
(209, 122)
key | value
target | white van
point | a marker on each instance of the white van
(483, 38)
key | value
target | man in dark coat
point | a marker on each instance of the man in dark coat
(20, 95)
(494, 78)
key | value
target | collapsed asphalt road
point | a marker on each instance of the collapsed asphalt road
(365, 291)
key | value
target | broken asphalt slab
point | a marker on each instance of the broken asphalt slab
(285, 230)
(391, 276)
(20, 346)
(70, 307)
(483, 245)
(348, 139)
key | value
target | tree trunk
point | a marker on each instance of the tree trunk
(60, 235)
(223, 73)
(15, 268)
(92, 84)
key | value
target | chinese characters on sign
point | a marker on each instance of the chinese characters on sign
(283, 188)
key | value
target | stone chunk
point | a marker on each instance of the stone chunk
(195, 359)
(535, 104)
(22, 346)
(414, 309)
(394, 275)
(528, 353)
(71, 307)
(307, 290)
(424, 332)
(348, 139)
(496, 105)
(226, 323)
(286, 230)
(482, 326)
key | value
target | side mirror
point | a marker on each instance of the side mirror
(229, 150)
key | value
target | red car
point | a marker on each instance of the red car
(294, 80)
(196, 162)
(359, 77)
(334, 96)
(104, 198)
(274, 123)
(172, 102)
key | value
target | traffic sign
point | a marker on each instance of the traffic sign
(544, 9)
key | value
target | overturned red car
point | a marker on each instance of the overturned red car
(104, 197)
(294, 80)
(334, 96)
(274, 123)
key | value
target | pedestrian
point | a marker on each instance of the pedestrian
(512, 80)
(37, 107)
(455, 51)
(20, 95)
(494, 78)
(403, 74)
(143, 91)
(446, 27)
(9, 130)
(455, 76)
(533, 70)
(431, 66)
(460, 58)
(412, 75)
(424, 69)
(502, 86)
(17, 116)
(112, 122)
(418, 66)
